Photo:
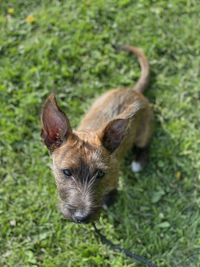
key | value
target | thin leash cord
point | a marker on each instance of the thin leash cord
(129, 254)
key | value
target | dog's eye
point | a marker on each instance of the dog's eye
(100, 174)
(67, 172)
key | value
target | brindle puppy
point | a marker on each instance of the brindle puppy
(86, 160)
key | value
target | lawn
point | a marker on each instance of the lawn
(66, 47)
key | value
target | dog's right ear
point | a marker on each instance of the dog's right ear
(113, 134)
(55, 124)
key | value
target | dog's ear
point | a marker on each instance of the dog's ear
(55, 124)
(113, 134)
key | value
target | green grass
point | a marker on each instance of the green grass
(68, 49)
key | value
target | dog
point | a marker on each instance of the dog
(86, 161)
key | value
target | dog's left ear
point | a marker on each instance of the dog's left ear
(113, 134)
(55, 124)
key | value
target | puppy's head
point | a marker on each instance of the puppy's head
(84, 166)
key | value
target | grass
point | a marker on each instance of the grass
(66, 46)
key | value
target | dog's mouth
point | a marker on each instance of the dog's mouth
(85, 218)
(80, 216)
(87, 215)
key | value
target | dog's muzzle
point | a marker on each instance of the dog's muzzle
(81, 217)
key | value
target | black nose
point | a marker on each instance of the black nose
(81, 217)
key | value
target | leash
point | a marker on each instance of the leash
(115, 247)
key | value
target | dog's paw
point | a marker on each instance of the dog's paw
(110, 199)
(136, 166)
(105, 207)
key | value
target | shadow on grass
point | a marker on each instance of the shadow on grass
(156, 214)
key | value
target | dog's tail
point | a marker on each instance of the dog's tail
(143, 81)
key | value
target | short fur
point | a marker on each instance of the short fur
(117, 121)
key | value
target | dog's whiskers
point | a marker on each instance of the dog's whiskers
(77, 185)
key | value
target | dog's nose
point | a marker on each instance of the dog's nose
(80, 217)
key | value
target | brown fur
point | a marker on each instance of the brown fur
(116, 121)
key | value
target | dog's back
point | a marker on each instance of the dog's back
(124, 103)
